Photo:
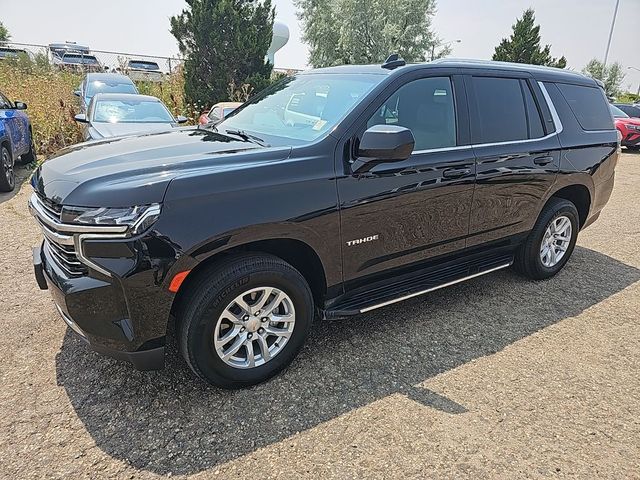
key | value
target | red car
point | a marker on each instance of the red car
(628, 127)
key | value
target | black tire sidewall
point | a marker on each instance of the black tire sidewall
(199, 341)
(568, 210)
(5, 186)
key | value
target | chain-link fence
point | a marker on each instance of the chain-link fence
(79, 58)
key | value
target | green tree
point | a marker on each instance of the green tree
(224, 42)
(4, 33)
(354, 32)
(611, 76)
(524, 44)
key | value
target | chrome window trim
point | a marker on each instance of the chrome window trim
(554, 116)
(554, 113)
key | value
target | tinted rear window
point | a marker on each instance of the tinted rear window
(589, 106)
(501, 110)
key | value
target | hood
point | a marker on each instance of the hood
(127, 171)
(106, 130)
(628, 121)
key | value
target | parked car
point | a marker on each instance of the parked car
(118, 114)
(629, 109)
(16, 141)
(77, 62)
(218, 112)
(144, 70)
(94, 83)
(413, 178)
(11, 53)
(628, 127)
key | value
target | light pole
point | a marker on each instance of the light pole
(638, 69)
(613, 24)
(433, 47)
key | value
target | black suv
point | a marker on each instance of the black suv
(334, 192)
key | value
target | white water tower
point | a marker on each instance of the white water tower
(279, 40)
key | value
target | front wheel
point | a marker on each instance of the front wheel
(244, 319)
(551, 242)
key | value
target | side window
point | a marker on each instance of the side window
(424, 106)
(589, 106)
(215, 114)
(4, 102)
(534, 121)
(501, 110)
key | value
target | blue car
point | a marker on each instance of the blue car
(16, 143)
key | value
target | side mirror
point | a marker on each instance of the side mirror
(77, 93)
(383, 143)
(20, 105)
(81, 117)
(181, 119)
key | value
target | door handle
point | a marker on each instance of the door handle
(545, 159)
(456, 172)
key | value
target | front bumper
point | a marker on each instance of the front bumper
(88, 307)
(632, 139)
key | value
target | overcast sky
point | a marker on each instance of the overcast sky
(577, 29)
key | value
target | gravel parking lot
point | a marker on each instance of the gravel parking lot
(496, 378)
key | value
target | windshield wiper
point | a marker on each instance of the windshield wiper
(247, 136)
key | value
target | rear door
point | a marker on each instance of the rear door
(404, 213)
(517, 153)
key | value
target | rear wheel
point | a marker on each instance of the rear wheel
(30, 156)
(244, 320)
(551, 242)
(7, 176)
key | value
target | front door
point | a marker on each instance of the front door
(401, 214)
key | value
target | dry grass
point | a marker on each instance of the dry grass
(52, 105)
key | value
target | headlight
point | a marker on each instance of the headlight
(634, 127)
(139, 218)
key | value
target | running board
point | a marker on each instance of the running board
(416, 285)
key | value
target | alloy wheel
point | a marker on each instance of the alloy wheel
(7, 163)
(555, 241)
(254, 327)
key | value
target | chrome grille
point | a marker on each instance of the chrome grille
(63, 241)
(65, 257)
(58, 245)
(52, 209)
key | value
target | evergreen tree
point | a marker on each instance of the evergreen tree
(4, 33)
(524, 44)
(224, 43)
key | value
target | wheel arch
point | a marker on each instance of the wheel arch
(579, 195)
(297, 253)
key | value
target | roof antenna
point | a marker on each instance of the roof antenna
(393, 61)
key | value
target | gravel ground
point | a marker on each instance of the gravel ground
(496, 378)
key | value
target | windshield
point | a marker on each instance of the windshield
(109, 87)
(131, 111)
(143, 65)
(10, 52)
(301, 108)
(80, 59)
(228, 110)
(617, 113)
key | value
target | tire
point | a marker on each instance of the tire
(7, 175)
(530, 257)
(214, 291)
(30, 156)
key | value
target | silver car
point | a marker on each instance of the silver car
(120, 114)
